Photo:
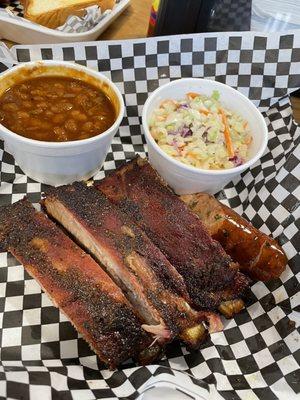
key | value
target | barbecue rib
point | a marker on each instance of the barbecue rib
(151, 283)
(209, 274)
(75, 283)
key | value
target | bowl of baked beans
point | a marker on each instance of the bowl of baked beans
(58, 119)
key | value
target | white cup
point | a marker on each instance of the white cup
(185, 179)
(59, 163)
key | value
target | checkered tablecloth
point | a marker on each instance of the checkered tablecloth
(257, 354)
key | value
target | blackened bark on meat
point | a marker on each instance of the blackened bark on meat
(75, 282)
(209, 273)
(151, 283)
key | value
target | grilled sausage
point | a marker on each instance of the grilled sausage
(259, 255)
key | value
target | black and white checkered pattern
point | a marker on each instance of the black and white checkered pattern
(257, 355)
(14, 6)
(230, 15)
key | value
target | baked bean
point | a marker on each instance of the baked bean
(60, 134)
(71, 125)
(78, 116)
(22, 114)
(65, 106)
(58, 118)
(56, 109)
(87, 126)
(10, 107)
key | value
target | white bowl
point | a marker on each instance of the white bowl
(185, 179)
(60, 163)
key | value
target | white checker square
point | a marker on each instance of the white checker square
(285, 55)
(222, 382)
(281, 388)
(263, 358)
(50, 333)
(281, 81)
(231, 367)
(33, 187)
(3, 260)
(178, 363)
(17, 376)
(82, 394)
(69, 348)
(210, 352)
(13, 303)
(17, 196)
(270, 336)
(59, 382)
(247, 394)
(124, 390)
(292, 341)
(40, 392)
(32, 317)
(260, 290)
(248, 329)
(255, 380)
(245, 68)
(15, 273)
(240, 349)
(31, 287)
(210, 57)
(255, 310)
(11, 337)
(46, 302)
(201, 371)
(31, 352)
(233, 56)
(2, 289)
(75, 372)
(3, 393)
(258, 56)
(276, 314)
(53, 363)
(288, 364)
(280, 294)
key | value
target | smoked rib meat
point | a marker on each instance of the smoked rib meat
(153, 286)
(75, 282)
(209, 273)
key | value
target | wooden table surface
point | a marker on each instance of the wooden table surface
(133, 23)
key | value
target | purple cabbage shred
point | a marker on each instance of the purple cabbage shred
(237, 161)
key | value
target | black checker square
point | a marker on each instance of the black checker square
(260, 66)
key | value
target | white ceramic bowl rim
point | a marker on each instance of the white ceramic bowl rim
(191, 168)
(70, 143)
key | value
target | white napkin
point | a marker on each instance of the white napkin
(74, 24)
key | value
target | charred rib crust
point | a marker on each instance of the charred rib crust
(114, 331)
(208, 272)
(108, 223)
(93, 207)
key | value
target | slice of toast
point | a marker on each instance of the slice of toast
(54, 13)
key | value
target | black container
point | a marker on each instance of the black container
(188, 16)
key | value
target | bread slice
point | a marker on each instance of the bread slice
(54, 13)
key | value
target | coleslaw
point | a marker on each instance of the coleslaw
(200, 132)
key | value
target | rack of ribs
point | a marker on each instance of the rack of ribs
(76, 284)
(153, 286)
(209, 273)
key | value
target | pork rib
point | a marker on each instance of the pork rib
(75, 282)
(151, 283)
(208, 272)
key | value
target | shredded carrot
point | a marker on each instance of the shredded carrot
(205, 112)
(192, 95)
(228, 141)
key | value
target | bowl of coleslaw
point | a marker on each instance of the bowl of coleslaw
(201, 134)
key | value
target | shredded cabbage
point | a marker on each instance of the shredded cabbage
(199, 131)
